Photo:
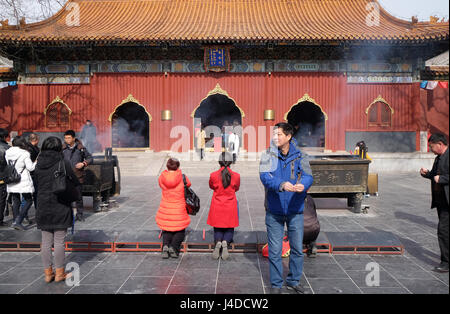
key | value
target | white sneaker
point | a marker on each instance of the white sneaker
(225, 253)
(216, 253)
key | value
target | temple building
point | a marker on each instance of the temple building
(339, 71)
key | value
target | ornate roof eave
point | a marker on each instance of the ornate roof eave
(156, 43)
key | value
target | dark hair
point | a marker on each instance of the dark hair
(173, 164)
(225, 160)
(70, 132)
(52, 143)
(20, 141)
(287, 128)
(3, 134)
(33, 137)
(438, 137)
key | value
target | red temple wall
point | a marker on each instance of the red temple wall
(22, 107)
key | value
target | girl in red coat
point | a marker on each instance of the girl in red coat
(224, 210)
(172, 216)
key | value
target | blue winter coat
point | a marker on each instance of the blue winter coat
(275, 169)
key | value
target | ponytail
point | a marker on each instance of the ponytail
(226, 177)
(225, 161)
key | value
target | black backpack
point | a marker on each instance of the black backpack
(192, 200)
(10, 174)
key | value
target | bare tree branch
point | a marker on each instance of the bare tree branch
(31, 10)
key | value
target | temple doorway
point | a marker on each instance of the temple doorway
(130, 125)
(217, 114)
(308, 120)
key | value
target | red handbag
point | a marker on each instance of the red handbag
(285, 251)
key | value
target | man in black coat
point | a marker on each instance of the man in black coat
(79, 158)
(439, 193)
(3, 193)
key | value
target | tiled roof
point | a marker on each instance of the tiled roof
(7, 74)
(125, 21)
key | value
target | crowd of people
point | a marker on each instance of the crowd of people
(284, 171)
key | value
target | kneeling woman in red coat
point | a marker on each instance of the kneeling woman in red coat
(224, 210)
(172, 216)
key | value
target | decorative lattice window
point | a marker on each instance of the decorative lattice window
(379, 113)
(57, 115)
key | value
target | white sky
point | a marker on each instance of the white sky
(423, 9)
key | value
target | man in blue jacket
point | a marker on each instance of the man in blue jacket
(286, 176)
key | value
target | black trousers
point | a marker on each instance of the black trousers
(79, 203)
(443, 233)
(3, 196)
(173, 239)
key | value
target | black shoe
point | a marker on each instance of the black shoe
(297, 289)
(173, 253)
(28, 221)
(80, 217)
(312, 252)
(441, 268)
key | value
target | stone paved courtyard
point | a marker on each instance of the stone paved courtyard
(402, 208)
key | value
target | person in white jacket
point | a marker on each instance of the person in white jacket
(233, 144)
(20, 157)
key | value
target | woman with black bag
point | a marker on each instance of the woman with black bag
(172, 217)
(54, 213)
(18, 158)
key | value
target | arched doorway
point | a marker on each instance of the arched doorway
(130, 125)
(217, 113)
(308, 120)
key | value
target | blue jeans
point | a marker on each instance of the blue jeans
(275, 234)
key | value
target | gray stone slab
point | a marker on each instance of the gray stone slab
(139, 236)
(122, 260)
(106, 276)
(41, 287)
(329, 271)
(238, 269)
(155, 268)
(95, 289)
(196, 277)
(425, 286)
(92, 236)
(333, 286)
(190, 289)
(245, 237)
(21, 275)
(11, 288)
(378, 238)
(31, 235)
(145, 285)
(239, 285)
(6, 266)
(196, 236)
(384, 290)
